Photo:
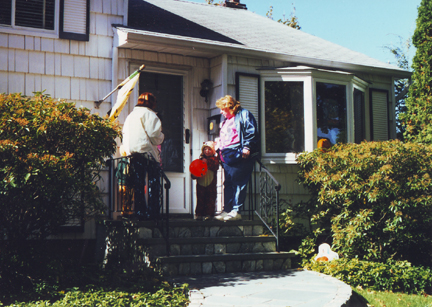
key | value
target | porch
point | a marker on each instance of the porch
(180, 245)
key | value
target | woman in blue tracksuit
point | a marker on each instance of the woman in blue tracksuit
(238, 147)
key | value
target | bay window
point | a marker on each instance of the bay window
(302, 105)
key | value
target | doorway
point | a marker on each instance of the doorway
(169, 89)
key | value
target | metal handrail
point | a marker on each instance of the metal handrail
(116, 199)
(268, 207)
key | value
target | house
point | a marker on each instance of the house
(299, 87)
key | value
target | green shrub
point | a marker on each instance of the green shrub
(397, 276)
(375, 197)
(51, 153)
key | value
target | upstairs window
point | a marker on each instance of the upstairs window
(69, 19)
(39, 14)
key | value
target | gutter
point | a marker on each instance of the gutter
(141, 37)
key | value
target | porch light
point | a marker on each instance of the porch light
(206, 86)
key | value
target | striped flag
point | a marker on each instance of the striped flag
(126, 88)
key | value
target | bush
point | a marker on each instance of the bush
(375, 197)
(397, 276)
(51, 153)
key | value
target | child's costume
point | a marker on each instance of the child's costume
(206, 186)
(125, 190)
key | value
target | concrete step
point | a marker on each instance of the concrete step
(210, 245)
(224, 263)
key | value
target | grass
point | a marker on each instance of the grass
(370, 298)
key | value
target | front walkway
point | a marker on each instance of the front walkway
(273, 289)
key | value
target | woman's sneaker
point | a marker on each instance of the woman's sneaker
(233, 216)
(221, 216)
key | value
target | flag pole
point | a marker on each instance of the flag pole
(98, 102)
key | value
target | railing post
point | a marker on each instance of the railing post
(277, 187)
(167, 187)
(110, 187)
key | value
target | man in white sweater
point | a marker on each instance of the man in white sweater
(142, 133)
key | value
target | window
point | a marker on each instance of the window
(38, 14)
(331, 108)
(67, 18)
(284, 117)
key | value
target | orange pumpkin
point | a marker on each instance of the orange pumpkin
(324, 144)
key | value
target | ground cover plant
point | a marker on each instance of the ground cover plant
(92, 285)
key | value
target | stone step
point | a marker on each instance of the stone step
(210, 245)
(193, 228)
(224, 263)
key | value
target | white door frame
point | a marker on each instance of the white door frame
(180, 194)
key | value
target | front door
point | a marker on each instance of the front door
(169, 89)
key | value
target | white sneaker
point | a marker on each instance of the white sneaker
(233, 216)
(221, 216)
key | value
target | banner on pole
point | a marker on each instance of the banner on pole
(126, 89)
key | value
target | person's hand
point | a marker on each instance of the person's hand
(245, 153)
(204, 160)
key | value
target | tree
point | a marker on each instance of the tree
(400, 53)
(50, 153)
(418, 117)
(292, 21)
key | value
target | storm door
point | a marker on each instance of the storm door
(169, 90)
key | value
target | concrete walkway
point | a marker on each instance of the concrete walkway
(274, 289)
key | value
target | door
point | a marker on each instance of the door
(169, 90)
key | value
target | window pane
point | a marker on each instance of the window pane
(331, 112)
(168, 90)
(359, 116)
(35, 14)
(6, 12)
(284, 117)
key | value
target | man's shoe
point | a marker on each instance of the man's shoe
(221, 216)
(233, 216)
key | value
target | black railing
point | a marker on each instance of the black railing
(263, 199)
(263, 196)
(121, 192)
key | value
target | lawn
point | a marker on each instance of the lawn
(363, 298)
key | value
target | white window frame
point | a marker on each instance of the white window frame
(13, 29)
(349, 107)
(310, 76)
(62, 22)
(290, 157)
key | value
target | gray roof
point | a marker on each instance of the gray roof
(245, 32)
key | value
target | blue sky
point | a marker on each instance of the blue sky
(365, 26)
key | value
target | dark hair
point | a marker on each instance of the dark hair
(147, 100)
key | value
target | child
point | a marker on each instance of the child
(124, 183)
(206, 185)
